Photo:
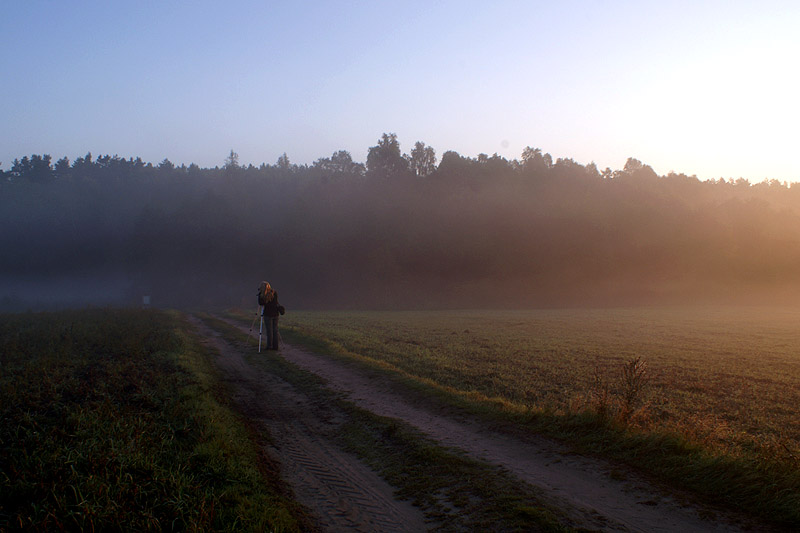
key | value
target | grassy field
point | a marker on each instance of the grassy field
(713, 407)
(114, 420)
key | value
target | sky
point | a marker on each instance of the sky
(707, 88)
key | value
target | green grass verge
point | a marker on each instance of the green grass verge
(764, 487)
(113, 420)
(455, 492)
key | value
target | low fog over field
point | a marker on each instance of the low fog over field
(410, 230)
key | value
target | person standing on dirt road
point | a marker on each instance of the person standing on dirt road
(268, 297)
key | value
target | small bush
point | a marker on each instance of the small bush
(634, 380)
(621, 401)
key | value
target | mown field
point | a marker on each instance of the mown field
(114, 420)
(712, 405)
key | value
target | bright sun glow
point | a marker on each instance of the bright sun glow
(731, 110)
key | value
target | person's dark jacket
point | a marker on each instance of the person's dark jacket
(272, 308)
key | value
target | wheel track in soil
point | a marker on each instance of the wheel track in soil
(595, 494)
(339, 491)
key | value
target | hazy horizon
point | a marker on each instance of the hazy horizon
(397, 233)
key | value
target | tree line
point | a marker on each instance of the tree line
(402, 230)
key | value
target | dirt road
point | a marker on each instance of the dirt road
(345, 495)
(340, 492)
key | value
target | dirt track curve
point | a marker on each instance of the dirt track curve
(345, 495)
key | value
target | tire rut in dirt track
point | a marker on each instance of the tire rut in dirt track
(589, 490)
(342, 493)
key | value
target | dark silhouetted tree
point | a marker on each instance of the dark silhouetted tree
(340, 163)
(534, 163)
(422, 160)
(62, 168)
(21, 168)
(82, 167)
(385, 159)
(41, 171)
(36, 169)
(283, 162)
(232, 161)
(637, 170)
(453, 165)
